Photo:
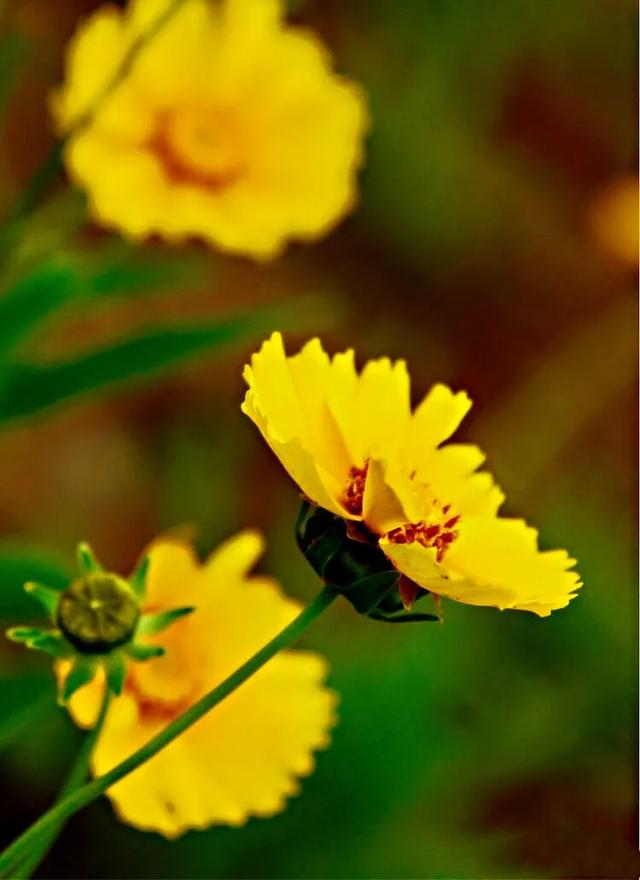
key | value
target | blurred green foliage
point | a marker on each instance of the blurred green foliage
(494, 745)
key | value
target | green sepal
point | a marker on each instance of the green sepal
(403, 617)
(47, 597)
(153, 623)
(25, 634)
(116, 669)
(138, 579)
(81, 673)
(366, 593)
(37, 639)
(349, 559)
(87, 562)
(140, 652)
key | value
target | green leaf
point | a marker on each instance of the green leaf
(30, 388)
(81, 673)
(141, 652)
(13, 51)
(139, 577)
(31, 299)
(17, 566)
(47, 597)
(87, 562)
(24, 699)
(116, 667)
(150, 624)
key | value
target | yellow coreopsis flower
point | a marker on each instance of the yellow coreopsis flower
(242, 760)
(230, 126)
(356, 449)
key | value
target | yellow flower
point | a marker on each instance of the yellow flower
(243, 758)
(613, 218)
(355, 448)
(230, 126)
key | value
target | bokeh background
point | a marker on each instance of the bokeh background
(495, 247)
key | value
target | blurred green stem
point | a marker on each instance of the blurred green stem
(40, 832)
(74, 780)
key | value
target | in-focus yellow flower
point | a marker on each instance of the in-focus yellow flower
(242, 759)
(355, 448)
(230, 126)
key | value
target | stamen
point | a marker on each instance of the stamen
(354, 493)
(439, 536)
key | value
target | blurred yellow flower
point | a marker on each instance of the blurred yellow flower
(230, 126)
(355, 448)
(613, 218)
(242, 759)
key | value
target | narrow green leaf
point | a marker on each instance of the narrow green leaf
(87, 562)
(141, 652)
(24, 699)
(81, 673)
(116, 665)
(150, 624)
(30, 388)
(139, 577)
(31, 299)
(47, 597)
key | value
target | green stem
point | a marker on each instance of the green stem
(78, 799)
(77, 775)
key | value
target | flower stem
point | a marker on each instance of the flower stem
(77, 775)
(76, 800)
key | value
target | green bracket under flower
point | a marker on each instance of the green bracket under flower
(348, 560)
(98, 622)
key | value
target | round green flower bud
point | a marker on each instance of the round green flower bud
(97, 613)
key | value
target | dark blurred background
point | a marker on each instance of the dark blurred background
(495, 247)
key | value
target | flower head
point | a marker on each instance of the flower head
(229, 126)
(244, 758)
(357, 450)
(97, 624)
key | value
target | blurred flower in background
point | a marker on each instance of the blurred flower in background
(244, 758)
(613, 218)
(229, 125)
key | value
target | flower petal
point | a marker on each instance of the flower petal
(240, 760)
(493, 562)
(437, 417)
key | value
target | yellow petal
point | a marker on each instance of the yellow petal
(492, 562)
(382, 507)
(502, 555)
(450, 473)
(437, 417)
(241, 760)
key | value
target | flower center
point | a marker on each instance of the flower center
(354, 491)
(98, 613)
(429, 533)
(200, 146)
